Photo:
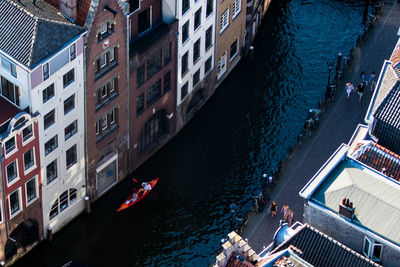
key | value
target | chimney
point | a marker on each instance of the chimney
(346, 208)
(69, 9)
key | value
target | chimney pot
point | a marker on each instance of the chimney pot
(351, 205)
(344, 201)
(347, 202)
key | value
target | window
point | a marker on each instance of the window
(103, 122)
(185, 32)
(196, 77)
(111, 53)
(1, 212)
(209, 7)
(140, 104)
(221, 65)
(224, 22)
(140, 76)
(184, 90)
(46, 71)
(104, 92)
(9, 90)
(9, 66)
(197, 19)
(69, 104)
(236, 8)
(208, 38)
(27, 133)
(63, 202)
(14, 199)
(144, 21)
(10, 145)
(50, 145)
(154, 64)
(112, 117)
(167, 82)
(153, 92)
(11, 171)
(71, 129)
(49, 119)
(31, 190)
(184, 63)
(48, 93)
(106, 61)
(97, 127)
(207, 65)
(105, 30)
(167, 54)
(103, 60)
(68, 78)
(372, 250)
(51, 171)
(196, 50)
(29, 160)
(185, 6)
(234, 49)
(71, 156)
(72, 52)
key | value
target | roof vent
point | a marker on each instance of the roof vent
(346, 208)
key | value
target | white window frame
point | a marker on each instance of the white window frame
(48, 71)
(73, 108)
(221, 68)
(31, 168)
(236, 8)
(102, 31)
(112, 117)
(16, 177)
(372, 251)
(224, 21)
(111, 51)
(104, 88)
(237, 51)
(57, 168)
(112, 87)
(72, 56)
(104, 125)
(36, 190)
(15, 149)
(102, 65)
(55, 120)
(19, 202)
(98, 127)
(1, 212)
(366, 239)
(24, 142)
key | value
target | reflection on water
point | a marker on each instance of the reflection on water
(243, 131)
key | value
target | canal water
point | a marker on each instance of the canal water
(244, 130)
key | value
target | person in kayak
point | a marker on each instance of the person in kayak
(145, 187)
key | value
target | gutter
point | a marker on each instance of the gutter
(4, 195)
(85, 116)
(127, 82)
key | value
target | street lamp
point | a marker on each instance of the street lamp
(330, 65)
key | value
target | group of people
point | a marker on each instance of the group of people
(361, 87)
(287, 212)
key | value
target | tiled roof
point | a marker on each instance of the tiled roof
(32, 32)
(379, 158)
(321, 250)
(387, 115)
(7, 110)
(235, 262)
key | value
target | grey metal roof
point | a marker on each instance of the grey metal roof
(374, 197)
(32, 32)
(321, 250)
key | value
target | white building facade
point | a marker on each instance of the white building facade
(196, 44)
(59, 98)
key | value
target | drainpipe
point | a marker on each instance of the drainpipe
(127, 81)
(85, 115)
(4, 194)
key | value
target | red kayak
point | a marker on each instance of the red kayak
(141, 194)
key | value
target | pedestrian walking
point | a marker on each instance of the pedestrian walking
(361, 90)
(372, 81)
(285, 211)
(364, 78)
(349, 89)
(290, 217)
(273, 209)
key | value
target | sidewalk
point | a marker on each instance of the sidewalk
(336, 127)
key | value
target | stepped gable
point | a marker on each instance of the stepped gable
(32, 31)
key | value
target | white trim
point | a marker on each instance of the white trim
(30, 138)
(36, 190)
(224, 21)
(104, 125)
(238, 4)
(19, 202)
(34, 165)
(105, 164)
(366, 239)
(17, 177)
(15, 149)
(1, 212)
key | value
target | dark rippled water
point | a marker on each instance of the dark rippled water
(244, 130)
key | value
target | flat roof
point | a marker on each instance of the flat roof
(374, 197)
(7, 110)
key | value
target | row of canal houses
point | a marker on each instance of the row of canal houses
(92, 88)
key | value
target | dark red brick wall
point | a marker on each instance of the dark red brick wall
(156, 15)
(117, 140)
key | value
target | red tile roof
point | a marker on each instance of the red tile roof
(7, 110)
(379, 157)
(235, 262)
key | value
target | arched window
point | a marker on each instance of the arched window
(67, 198)
(153, 130)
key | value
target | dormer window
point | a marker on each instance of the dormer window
(106, 29)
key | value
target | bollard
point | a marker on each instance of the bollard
(87, 204)
(49, 234)
(339, 63)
